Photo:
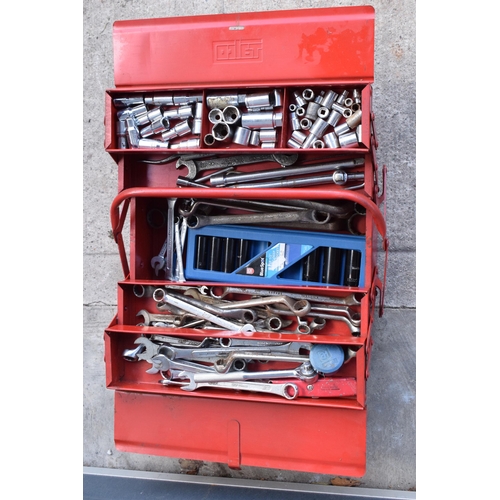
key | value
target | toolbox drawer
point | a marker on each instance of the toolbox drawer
(314, 239)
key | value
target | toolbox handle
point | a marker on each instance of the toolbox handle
(118, 219)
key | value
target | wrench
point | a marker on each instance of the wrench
(300, 307)
(287, 389)
(149, 318)
(223, 365)
(160, 262)
(278, 173)
(160, 295)
(348, 300)
(162, 364)
(246, 315)
(191, 207)
(303, 372)
(197, 221)
(194, 166)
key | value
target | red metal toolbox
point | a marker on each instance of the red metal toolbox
(192, 90)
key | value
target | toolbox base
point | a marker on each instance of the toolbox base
(243, 433)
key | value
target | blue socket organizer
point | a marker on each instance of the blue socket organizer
(256, 255)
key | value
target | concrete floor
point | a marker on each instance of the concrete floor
(391, 446)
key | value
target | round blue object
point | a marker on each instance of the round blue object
(326, 358)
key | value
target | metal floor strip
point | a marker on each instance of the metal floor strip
(108, 484)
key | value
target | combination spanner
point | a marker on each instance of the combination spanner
(160, 295)
(196, 166)
(287, 390)
(309, 216)
(348, 300)
(303, 372)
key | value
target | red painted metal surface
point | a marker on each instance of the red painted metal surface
(241, 432)
(251, 48)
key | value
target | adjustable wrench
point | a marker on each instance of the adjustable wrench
(196, 166)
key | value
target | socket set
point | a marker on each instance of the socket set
(243, 300)
(158, 120)
(253, 255)
(325, 119)
(315, 118)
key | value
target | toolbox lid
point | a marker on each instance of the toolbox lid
(257, 48)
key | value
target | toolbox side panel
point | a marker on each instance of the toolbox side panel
(319, 440)
(247, 48)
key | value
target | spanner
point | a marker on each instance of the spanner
(162, 364)
(348, 300)
(303, 372)
(160, 262)
(310, 216)
(300, 307)
(287, 390)
(160, 295)
(196, 166)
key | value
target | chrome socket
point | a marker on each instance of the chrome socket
(121, 133)
(133, 135)
(318, 127)
(301, 102)
(231, 115)
(260, 100)
(159, 100)
(328, 99)
(308, 94)
(262, 120)
(186, 144)
(295, 121)
(221, 101)
(215, 116)
(178, 130)
(305, 124)
(349, 139)
(344, 111)
(342, 97)
(301, 111)
(198, 115)
(222, 132)
(299, 136)
(268, 135)
(156, 127)
(343, 128)
(242, 136)
(209, 140)
(254, 138)
(149, 116)
(181, 113)
(183, 100)
(354, 120)
(331, 140)
(312, 110)
(152, 143)
(293, 144)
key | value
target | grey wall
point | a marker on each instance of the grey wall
(391, 387)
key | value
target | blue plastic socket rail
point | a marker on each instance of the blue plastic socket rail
(255, 255)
